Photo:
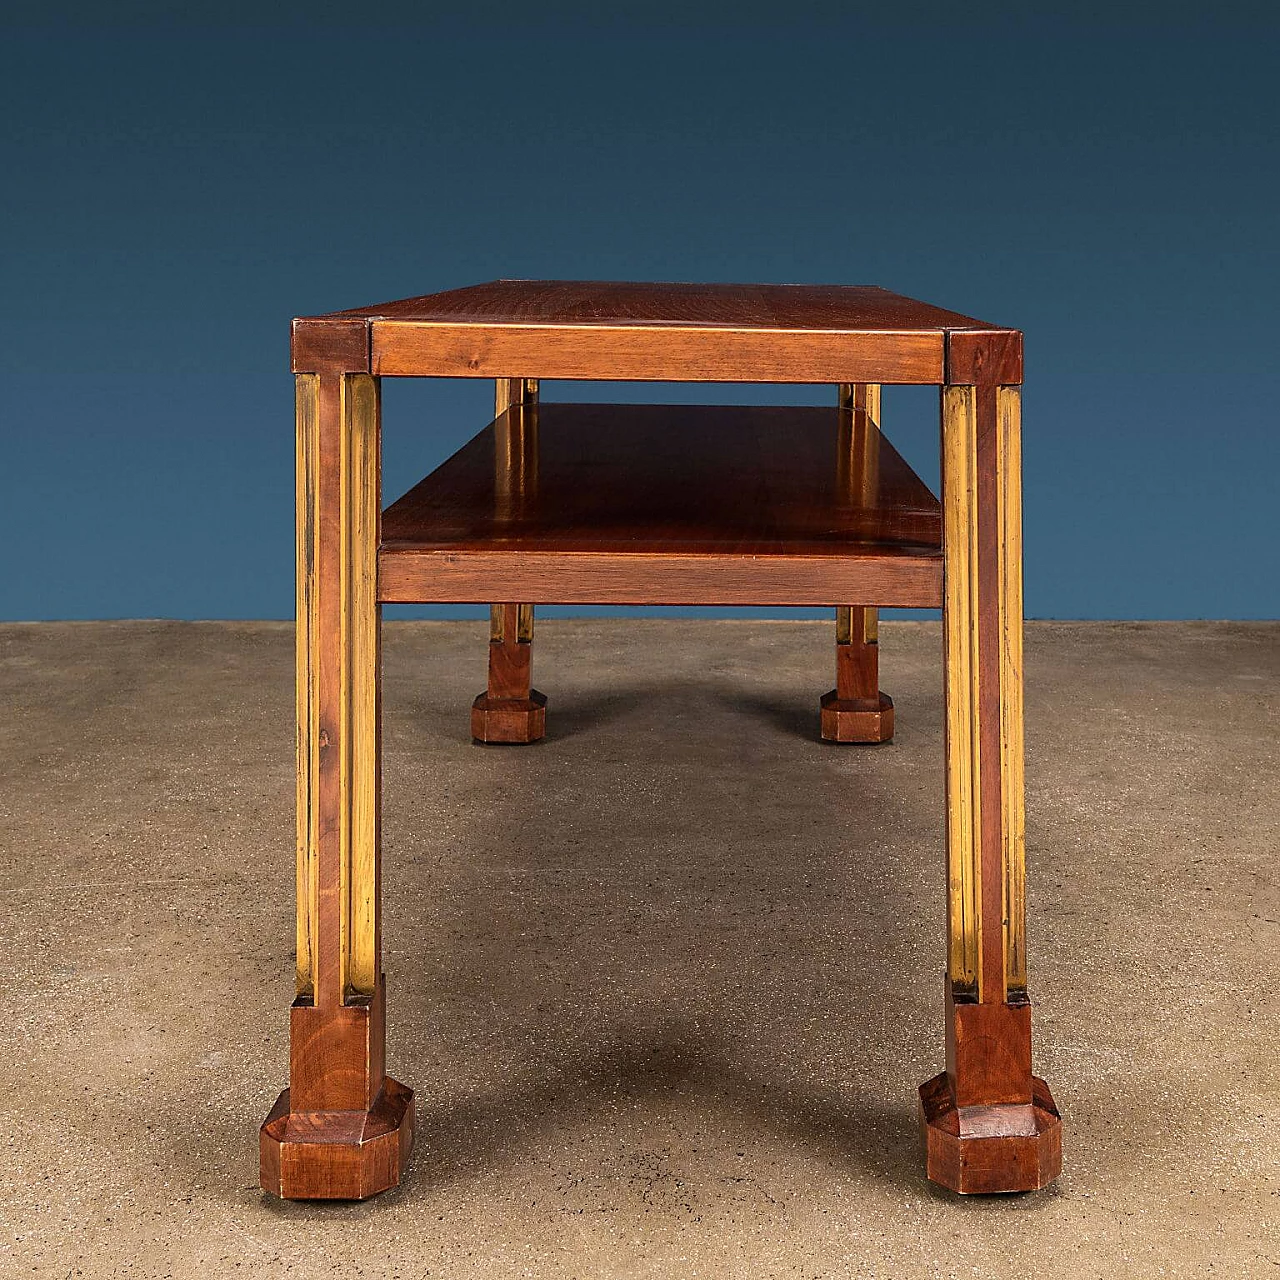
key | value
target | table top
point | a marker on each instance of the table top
(636, 331)
(842, 308)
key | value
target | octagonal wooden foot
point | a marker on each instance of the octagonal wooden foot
(856, 719)
(983, 1150)
(337, 1155)
(510, 720)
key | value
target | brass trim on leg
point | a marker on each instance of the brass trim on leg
(356, 720)
(1013, 816)
(307, 520)
(844, 624)
(509, 391)
(859, 471)
(361, 643)
(524, 624)
(498, 623)
(960, 631)
(515, 476)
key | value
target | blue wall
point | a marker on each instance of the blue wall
(1107, 181)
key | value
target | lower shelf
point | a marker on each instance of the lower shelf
(667, 504)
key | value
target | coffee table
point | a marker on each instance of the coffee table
(651, 504)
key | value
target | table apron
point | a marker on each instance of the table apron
(598, 578)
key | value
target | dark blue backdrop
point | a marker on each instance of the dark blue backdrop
(1105, 178)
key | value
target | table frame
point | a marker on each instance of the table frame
(343, 1128)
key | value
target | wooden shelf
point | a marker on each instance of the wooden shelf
(668, 504)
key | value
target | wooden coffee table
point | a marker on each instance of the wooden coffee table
(647, 504)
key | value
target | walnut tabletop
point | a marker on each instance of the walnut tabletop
(672, 332)
(658, 504)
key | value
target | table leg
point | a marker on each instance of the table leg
(510, 710)
(989, 1124)
(855, 710)
(343, 1129)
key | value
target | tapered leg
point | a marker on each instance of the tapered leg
(343, 1129)
(855, 710)
(510, 710)
(989, 1124)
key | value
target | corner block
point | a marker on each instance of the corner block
(330, 346)
(990, 356)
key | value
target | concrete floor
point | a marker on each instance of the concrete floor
(665, 983)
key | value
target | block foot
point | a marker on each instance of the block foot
(987, 1150)
(337, 1155)
(857, 719)
(511, 720)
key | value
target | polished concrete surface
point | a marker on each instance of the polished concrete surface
(665, 983)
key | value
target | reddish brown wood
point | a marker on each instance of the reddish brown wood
(330, 346)
(858, 663)
(337, 1155)
(991, 356)
(343, 1128)
(988, 1150)
(337, 1057)
(509, 721)
(855, 711)
(989, 1124)
(634, 354)
(856, 720)
(645, 303)
(509, 711)
(662, 505)
(659, 504)
(685, 332)
(668, 578)
(510, 659)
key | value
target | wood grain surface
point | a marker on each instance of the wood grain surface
(840, 307)
(667, 504)
(654, 331)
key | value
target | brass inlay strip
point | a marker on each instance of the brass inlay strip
(859, 469)
(307, 887)
(356, 716)
(1013, 816)
(959, 616)
(524, 623)
(515, 475)
(362, 616)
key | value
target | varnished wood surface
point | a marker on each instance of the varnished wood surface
(657, 331)
(990, 1150)
(338, 476)
(760, 480)
(648, 492)
(584, 504)
(337, 1155)
(855, 710)
(342, 1129)
(1013, 830)
(982, 626)
(842, 308)
(622, 577)
(635, 353)
(963, 706)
